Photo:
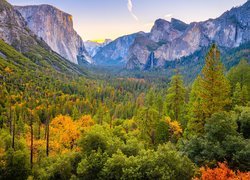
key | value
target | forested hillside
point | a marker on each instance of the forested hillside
(56, 125)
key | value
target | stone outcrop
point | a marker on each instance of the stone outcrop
(13, 29)
(173, 40)
(116, 52)
(94, 47)
(55, 27)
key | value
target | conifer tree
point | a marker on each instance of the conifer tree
(176, 97)
(214, 87)
(237, 95)
(210, 93)
(196, 121)
(240, 95)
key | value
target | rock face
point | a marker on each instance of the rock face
(173, 40)
(93, 47)
(116, 52)
(56, 29)
(13, 29)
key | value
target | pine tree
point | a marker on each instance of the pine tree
(176, 97)
(244, 95)
(196, 121)
(214, 87)
(240, 95)
(210, 93)
(237, 94)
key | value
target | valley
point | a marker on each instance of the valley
(172, 103)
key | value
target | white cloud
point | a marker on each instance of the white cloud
(168, 16)
(130, 9)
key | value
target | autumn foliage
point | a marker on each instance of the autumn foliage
(222, 172)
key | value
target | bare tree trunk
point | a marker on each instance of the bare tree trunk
(39, 130)
(13, 134)
(31, 143)
(47, 137)
(10, 118)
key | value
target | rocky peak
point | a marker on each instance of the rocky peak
(166, 31)
(116, 52)
(55, 27)
(13, 29)
(174, 40)
(93, 47)
(179, 25)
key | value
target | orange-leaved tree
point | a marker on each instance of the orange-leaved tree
(63, 133)
(222, 172)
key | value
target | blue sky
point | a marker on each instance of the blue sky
(99, 19)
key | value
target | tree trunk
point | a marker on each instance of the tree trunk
(47, 137)
(31, 144)
(10, 118)
(13, 134)
(39, 130)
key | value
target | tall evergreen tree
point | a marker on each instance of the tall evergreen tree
(214, 87)
(210, 93)
(240, 95)
(196, 121)
(176, 97)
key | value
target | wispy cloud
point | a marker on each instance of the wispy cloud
(130, 9)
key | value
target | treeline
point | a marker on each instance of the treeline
(57, 126)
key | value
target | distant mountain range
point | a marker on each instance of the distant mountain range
(174, 40)
(93, 47)
(166, 45)
(116, 52)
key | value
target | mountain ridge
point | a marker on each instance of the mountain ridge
(13, 31)
(55, 27)
(173, 40)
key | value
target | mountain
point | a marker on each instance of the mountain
(33, 51)
(170, 41)
(55, 27)
(116, 52)
(93, 47)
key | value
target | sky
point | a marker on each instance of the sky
(100, 19)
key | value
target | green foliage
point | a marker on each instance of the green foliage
(162, 134)
(176, 98)
(219, 126)
(58, 167)
(244, 123)
(209, 94)
(214, 87)
(147, 120)
(164, 163)
(130, 138)
(195, 125)
(240, 74)
(100, 138)
(91, 166)
(220, 142)
(16, 165)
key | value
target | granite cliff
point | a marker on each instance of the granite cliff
(116, 52)
(55, 27)
(169, 41)
(14, 31)
(93, 47)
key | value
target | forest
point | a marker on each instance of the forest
(66, 126)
